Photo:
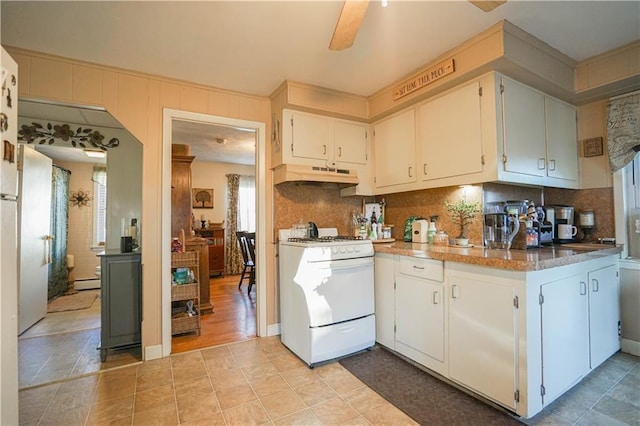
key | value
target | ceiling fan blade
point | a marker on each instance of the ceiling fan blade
(348, 24)
(487, 5)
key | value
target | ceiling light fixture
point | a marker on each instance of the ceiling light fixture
(95, 154)
(221, 141)
(384, 3)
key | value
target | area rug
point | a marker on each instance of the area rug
(424, 398)
(74, 302)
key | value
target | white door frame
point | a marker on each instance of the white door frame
(168, 115)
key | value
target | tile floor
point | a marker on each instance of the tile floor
(261, 382)
(64, 322)
(64, 345)
(608, 396)
(252, 382)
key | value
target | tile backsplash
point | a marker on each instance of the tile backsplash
(322, 203)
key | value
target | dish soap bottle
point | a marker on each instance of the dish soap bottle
(431, 231)
(373, 230)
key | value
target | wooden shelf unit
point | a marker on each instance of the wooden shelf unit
(182, 293)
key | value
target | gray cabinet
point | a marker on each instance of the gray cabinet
(121, 304)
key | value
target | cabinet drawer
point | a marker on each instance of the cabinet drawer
(422, 268)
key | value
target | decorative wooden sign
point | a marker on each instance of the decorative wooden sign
(423, 79)
(592, 147)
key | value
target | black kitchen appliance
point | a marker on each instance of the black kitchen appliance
(313, 230)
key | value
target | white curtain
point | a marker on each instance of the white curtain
(247, 204)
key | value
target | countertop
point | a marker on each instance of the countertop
(515, 260)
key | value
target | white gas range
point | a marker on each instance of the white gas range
(326, 295)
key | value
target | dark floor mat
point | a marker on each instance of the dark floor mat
(424, 398)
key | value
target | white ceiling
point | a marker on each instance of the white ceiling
(253, 46)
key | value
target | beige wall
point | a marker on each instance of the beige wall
(137, 101)
(80, 236)
(205, 174)
(592, 121)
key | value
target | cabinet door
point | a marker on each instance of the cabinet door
(482, 337)
(565, 335)
(311, 136)
(604, 313)
(419, 318)
(523, 127)
(562, 140)
(451, 134)
(394, 145)
(385, 299)
(350, 142)
(121, 300)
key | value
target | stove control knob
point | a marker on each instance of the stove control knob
(334, 250)
(342, 250)
(356, 249)
(350, 249)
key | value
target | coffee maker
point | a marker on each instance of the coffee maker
(559, 215)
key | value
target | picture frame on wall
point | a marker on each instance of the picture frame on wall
(592, 147)
(202, 198)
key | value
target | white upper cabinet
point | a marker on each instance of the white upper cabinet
(350, 142)
(539, 137)
(310, 136)
(321, 140)
(489, 129)
(451, 134)
(523, 129)
(395, 141)
(562, 140)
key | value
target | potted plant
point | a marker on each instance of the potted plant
(462, 213)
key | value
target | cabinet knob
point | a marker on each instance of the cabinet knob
(541, 163)
(552, 165)
(409, 171)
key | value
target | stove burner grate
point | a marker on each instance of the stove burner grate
(324, 239)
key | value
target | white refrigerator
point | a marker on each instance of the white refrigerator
(8, 241)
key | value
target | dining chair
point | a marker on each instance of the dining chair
(247, 247)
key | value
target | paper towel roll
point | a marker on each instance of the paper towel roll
(70, 261)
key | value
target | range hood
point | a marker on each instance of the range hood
(300, 173)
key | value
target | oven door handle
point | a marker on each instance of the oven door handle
(344, 263)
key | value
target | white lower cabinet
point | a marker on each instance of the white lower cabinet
(419, 319)
(604, 313)
(564, 309)
(384, 287)
(482, 336)
(520, 339)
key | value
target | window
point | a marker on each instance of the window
(99, 214)
(247, 204)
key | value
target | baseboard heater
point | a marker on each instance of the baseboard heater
(86, 283)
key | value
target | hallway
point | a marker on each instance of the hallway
(233, 318)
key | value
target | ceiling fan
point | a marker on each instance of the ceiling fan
(353, 12)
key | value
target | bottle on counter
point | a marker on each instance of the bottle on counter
(431, 231)
(373, 228)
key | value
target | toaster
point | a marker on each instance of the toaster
(419, 229)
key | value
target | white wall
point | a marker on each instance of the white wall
(213, 175)
(630, 306)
